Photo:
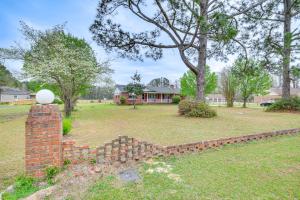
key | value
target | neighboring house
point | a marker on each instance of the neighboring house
(215, 98)
(275, 93)
(8, 94)
(151, 95)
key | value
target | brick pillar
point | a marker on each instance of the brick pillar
(43, 139)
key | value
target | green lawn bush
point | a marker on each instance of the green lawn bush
(195, 109)
(176, 99)
(291, 104)
(67, 125)
(122, 100)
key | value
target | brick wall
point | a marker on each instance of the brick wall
(43, 139)
(126, 149)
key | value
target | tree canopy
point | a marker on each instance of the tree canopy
(252, 79)
(160, 82)
(55, 57)
(188, 83)
(7, 79)
(228, 86)
(199, 30)
(135, 87)
(271, 33)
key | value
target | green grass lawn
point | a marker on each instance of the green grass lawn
(12, 127)
(96, 123)
(267, 169)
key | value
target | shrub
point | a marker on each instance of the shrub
(24, 186)
(202, 110)
(122, 100)
(185, 106)
(195, 109)
(58, 101)
(290, 104)
(67, 125)
(51, 172)
(176, 99)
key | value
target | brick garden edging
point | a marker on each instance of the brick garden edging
(126, 149)
(44, 145)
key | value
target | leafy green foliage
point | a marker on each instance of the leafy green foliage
(252, 79)
(188, 25)
(189, 84)
(24, 186)
(35, 86)
(176, 99)
(135, 88)
(271, 37)
(67, 62)
(225, 29)
(67, 162)
(291, 104)
(7, 79)
(58, 101)
(202, 110)
(51, 172)
(185, 106)
(122, 100)
(67, 125)
(195, 109)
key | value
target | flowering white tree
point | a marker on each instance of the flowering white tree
(60, 58)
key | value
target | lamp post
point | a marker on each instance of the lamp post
(44, 96)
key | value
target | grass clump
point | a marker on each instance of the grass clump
(67, 125)
(176, 99)
(291, 104)
(23, 187)
(195, 109)
(51, 172)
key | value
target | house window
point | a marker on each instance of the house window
(15, 97)
(151, 96)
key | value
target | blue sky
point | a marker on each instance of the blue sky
(79, 15)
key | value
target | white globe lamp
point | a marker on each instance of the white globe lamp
(44, 96)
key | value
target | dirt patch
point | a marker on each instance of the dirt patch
(291, 170)
(73, 182)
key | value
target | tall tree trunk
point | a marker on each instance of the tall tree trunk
(286, 87)
(67, 106)
(244, 102)
(200, 96)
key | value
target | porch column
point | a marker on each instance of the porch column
(147, 97)
(161, 98)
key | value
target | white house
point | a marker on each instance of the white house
(8, 94)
